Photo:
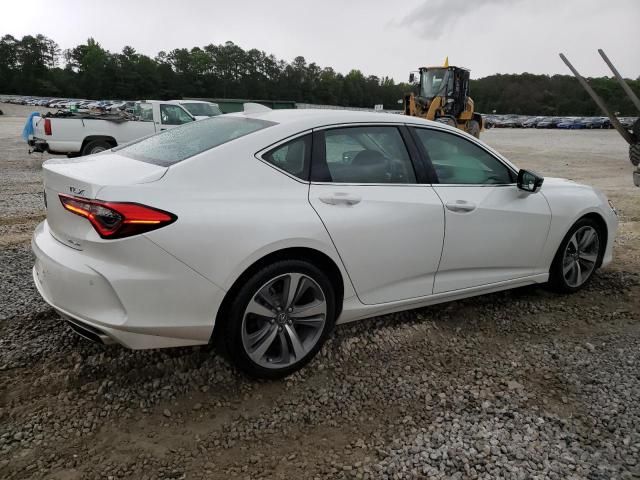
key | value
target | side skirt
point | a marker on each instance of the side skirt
(355, 310)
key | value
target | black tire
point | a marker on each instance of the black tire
(231, 330)
(557, 281)
(634, 153)
(473, 128)
(96, 146)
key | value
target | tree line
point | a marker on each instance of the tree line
(35, 65)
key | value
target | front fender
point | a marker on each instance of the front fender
(569, 202)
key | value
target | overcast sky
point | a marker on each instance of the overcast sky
(379, 37)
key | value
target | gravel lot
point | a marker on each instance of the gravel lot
(520, 384)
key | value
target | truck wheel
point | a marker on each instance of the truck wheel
(634, 153)
(473, 128)
(96, 146)
(447, 121)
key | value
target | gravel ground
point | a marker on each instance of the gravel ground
(519, 384)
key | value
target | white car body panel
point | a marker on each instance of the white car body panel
(134, 291)
(493, 242)
(165, 287)
(570, 201)
(400, 226)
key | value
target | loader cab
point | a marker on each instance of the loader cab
(451, 83)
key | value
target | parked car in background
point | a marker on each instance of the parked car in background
(117, 105)
(601, 122)
(234, 230)
(532, 122)
(571, 124)
(628, 122)
(86, 136)
(550, 122)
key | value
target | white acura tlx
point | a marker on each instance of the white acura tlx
(262, 230)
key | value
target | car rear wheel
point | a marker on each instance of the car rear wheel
(279, 319)
(578, 257)
(96, 146)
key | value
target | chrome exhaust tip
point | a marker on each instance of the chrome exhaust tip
(89, 332)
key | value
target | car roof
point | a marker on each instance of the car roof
(310, 118)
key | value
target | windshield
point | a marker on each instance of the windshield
(202, 109)
(433, 82)
(177, 144)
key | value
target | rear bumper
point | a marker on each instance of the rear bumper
(129, 292)
(38, 146)
(54, 146)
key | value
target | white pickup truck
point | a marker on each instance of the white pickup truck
(85, 134)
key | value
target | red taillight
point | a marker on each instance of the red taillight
(117, 219)
(47, 126)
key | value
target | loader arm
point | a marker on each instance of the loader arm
(629, 138)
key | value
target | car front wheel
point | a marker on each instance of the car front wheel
(279, 319)
(579, 255)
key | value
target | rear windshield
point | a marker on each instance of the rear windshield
(179, 143)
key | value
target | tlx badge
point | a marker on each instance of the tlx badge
(77, 191)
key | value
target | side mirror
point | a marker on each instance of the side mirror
(529, 181)
(412, 78)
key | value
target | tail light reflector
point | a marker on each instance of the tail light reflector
(117, 219)
(47, 126)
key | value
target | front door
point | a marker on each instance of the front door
(387, 228)
(494, 231)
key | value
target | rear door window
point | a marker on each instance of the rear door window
(369, 154)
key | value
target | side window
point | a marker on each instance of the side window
(173, 115)
(144, 111)
(293, 157)
(364, 155)
(458, 161)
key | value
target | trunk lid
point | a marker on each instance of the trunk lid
(85, 177)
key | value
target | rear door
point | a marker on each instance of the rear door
(387, 226)
(494, 231)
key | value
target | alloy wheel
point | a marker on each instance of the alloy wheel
(284, 320)
(580, 256)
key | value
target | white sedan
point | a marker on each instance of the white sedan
(261, 230)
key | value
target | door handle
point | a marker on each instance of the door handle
(461, 206)
(340, 199)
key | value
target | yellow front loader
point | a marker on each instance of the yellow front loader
(442, 94)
